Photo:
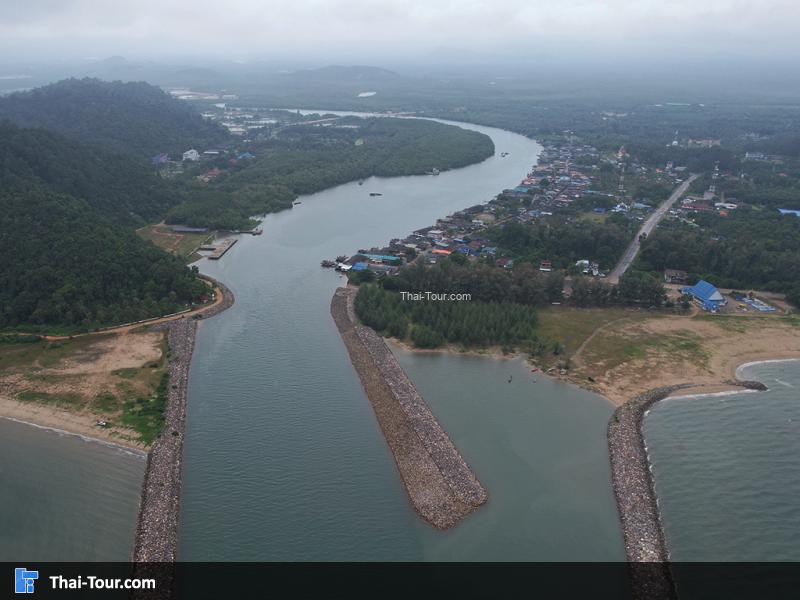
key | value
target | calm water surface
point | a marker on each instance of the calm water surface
(283, 457)
(727, 470)
(64, 498)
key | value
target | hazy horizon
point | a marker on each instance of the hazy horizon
(394, 32)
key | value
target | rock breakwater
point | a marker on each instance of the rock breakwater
(159, 507)
(439, 483)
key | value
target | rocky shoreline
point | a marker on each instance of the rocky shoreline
(634, 490)
(441, 486)
(159, 507)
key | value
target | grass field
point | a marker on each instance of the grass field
(120, 379)
(179, 244)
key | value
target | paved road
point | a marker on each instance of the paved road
(647, 228)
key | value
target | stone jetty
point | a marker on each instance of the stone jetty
(632, 479)
(636, 499)
(159, 507)
(440, 484)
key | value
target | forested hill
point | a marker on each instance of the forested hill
(134, 118)
(122, 190)
(73, 260)
(67, 266)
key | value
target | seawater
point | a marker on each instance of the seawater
(727, 469)
(63, 497)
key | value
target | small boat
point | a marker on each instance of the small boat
(328, 264)
(361, 182)
(534, 369)
(341, 258)
(297, 202)
(510, 377)
(375, 194)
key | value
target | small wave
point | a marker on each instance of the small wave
(740, 369)
(86, 438)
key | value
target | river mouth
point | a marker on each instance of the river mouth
(283, 457)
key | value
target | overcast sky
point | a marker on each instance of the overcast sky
(244, 29)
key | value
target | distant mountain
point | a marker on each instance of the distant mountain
(344, 74)
(123, 191)
(130, 118)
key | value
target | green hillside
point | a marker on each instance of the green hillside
(134, 118)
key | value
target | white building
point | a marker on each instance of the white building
(191, 155)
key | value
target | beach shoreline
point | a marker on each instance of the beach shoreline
(724, 379)
(89, 434)
(83, 423)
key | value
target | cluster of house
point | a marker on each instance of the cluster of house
(240, 121)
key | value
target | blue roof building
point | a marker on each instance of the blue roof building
(382, 257)
(709, 297)
(360, 266)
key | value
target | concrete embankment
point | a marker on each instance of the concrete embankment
(159, 507)
(440, 484)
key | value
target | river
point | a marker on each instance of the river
(283, 457)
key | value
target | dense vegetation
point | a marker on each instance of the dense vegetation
(130, 118)
(122, 190)
(566, 242)
(68, 212)
(750, 248)
(71, 267)
(501, 309)
(429, 324)
(303, 159)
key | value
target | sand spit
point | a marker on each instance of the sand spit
(440, 484)
(159, 507)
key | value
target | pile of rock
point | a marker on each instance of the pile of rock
(159, 508)
(440, 484)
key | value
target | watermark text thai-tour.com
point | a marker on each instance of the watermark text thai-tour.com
(26, 581)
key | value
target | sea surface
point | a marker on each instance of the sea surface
(727, 469)
(284, 459)
(66, 498)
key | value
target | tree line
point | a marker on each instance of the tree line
(502, 305)
(303, 159)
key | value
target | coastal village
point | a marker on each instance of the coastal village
(566, 174)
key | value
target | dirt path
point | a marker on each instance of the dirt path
(218, 299)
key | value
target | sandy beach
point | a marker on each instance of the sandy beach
(628, 356)
(66, 422)
(714, 351)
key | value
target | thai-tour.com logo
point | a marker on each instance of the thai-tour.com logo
(24, 580)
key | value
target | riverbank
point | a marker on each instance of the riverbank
(159, 507)
(439, 483)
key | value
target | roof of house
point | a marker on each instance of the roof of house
(704, 291)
